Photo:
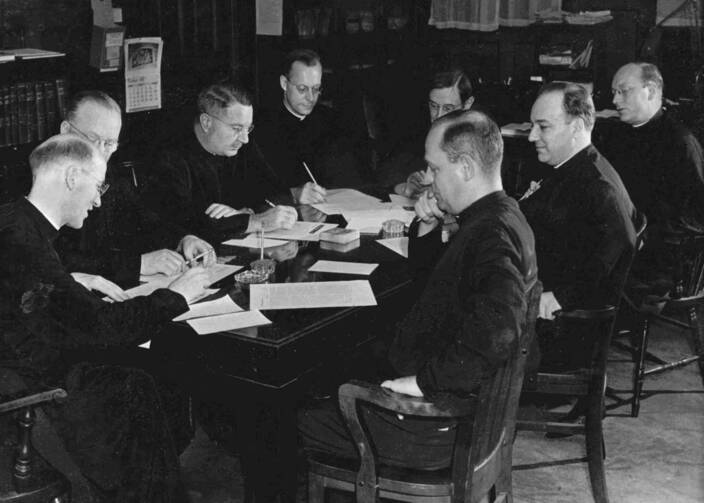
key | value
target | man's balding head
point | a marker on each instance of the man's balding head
(637, 89)
(96, 117)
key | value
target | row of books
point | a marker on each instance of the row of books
(31, 111)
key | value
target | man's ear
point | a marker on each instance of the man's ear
(468, 103)
(282, 82)
(65, 127)
(205, 121)
(651, 90)
(469, 167)
(71, 176)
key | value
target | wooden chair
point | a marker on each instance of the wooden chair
(585, 382)
(686, 301)
(483, 447)
(24, 475)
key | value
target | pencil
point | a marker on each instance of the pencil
(269, 203)
(309, 173)
(197, 257)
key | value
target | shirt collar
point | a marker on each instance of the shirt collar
(481, 204)
(557, 166)
(288, 109)
(44, 212)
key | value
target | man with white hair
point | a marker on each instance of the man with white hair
(113, 423)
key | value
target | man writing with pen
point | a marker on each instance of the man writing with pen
(208, 180)
(122, 239)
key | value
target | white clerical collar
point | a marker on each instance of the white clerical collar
(635, 126)
(298, 116)
(44, 211)
(570, 157)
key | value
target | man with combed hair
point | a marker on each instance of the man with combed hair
(113, 423)
(298, 132)
(660, 160)
(201, 186)
(581, 213)
(467, 319)
(122, 239)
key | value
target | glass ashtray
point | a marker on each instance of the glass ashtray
(246, 278)
(264, 266)
(392, 229)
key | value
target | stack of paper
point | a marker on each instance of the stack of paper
(221, 305)
(311, 295)
(334, 266)
(226, 322)
(397, 245)
(216, 272)
(301, 231)
(369, 221)
(252, 241)
(338, 201)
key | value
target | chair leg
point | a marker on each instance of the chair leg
(639, 368)
(595, 449)
(316, 488)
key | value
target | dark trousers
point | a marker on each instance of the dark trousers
(397, 440)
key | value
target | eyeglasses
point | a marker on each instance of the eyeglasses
(105, 144)
(303, 90)
(238, 129)
(623, 91)
(101, 187)
(445, 109)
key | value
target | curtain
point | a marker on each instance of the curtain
(487, 15)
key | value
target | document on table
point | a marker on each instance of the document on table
(398, 245)
(339, 267)
(221, 305)
(301, 231)
(225, 322)
(339, 200)
(310, 295)
(147, 288)
(216, 272)
(403, 201)
(252, 241)
(369, 221)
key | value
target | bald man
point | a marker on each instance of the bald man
(113, 423)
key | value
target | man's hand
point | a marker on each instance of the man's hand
(310, 193)
(428, 212)
(217, 210)
(406, 385)
(100, 284)
(278, 217)
(416, 183)
(548, 305)
(193, 246)
(164, 261)
(191, 284)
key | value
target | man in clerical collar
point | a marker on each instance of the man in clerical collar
(301, 140)
(581, 213)
(660, 160)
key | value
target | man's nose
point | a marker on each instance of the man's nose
(533, 136)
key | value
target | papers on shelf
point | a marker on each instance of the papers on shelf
(225, 322)
(301, 231)
(339, 267)
(311, 295)
(402, 201)
(252, 241)
(216, 272)
(221, 305)
(369, 221)
(398, 245)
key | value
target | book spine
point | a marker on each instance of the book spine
(61, 97)
(22, 128)
(14, 115)
(3, 117)
(31, 108)
(52, 123)
(40, 108)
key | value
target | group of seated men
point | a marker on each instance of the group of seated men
(219, 179)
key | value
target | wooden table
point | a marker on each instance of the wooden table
(264, 372)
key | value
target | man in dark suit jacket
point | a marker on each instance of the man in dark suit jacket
(581, 213)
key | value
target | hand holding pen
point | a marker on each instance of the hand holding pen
(311, 192)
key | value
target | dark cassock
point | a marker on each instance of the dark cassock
(330, 150)
(187, 179)
(113, 423)
(662, 166)
(112, 240)
(462, 328)
(582, 218)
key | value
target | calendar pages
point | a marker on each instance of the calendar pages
(143, 73)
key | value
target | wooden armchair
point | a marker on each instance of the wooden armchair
(25, 476)
(482, 456)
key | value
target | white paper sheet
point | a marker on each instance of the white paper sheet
(269, 15)
(301, 231)
(252, 241)
(339, 200)
(224, 322)
(398, 245)
(310, 295)
(339, 267)
(216, 272)
(221, 305)
(403, 201)
(147, 288)
(369, 221)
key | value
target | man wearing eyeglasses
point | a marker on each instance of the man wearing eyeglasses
(659, 159)
(301, 139)
(208, 180)
(111, 249)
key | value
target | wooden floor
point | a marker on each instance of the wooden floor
(655, 458)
